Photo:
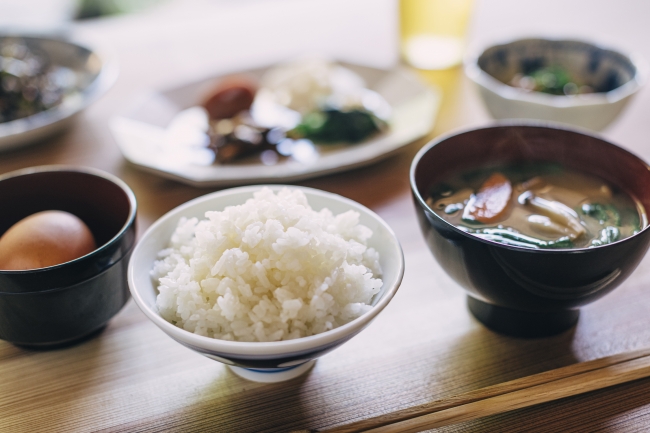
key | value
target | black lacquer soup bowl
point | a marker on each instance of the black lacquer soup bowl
(515, 290)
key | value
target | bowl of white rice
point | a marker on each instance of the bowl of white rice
(266, 278)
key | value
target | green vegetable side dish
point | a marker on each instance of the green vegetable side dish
(550, 207)
(552, 80)
(332, 125)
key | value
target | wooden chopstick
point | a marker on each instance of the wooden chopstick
(516, 394)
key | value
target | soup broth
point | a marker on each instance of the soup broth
(537, 205)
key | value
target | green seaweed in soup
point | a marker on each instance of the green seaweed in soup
(540, 205)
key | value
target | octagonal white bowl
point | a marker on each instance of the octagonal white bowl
(623, 75)
(263, 361)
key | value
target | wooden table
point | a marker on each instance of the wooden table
(424, 346)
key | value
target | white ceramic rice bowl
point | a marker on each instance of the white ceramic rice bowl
(263, 361)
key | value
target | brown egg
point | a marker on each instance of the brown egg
(44, 239)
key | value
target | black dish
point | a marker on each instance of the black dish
(514, 290)
(63, 303)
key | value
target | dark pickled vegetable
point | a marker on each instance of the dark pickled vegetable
(239, 139)
(29, 84)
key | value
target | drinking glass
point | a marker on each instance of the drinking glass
(433, 32)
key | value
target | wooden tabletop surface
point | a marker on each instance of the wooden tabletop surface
(425, 345)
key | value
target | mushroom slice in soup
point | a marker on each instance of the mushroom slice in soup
(556, 211)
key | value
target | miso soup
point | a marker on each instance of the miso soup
(537, 205)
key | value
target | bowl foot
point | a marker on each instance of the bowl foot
(272, 375)
(63, 343)
(524, 324)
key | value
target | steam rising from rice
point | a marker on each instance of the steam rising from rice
(268, 270)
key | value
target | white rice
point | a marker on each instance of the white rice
(268, 270)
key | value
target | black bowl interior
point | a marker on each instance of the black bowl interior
(103, 205)
(512, 144)
(602, 69)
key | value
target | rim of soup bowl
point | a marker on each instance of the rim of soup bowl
(62, 168)
(484, 79)
(516, 123)
(273, 348)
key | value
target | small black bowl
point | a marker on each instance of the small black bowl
(64, 303)
(520, 291)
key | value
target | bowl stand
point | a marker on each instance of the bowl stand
(517, 323)
(272, 375)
